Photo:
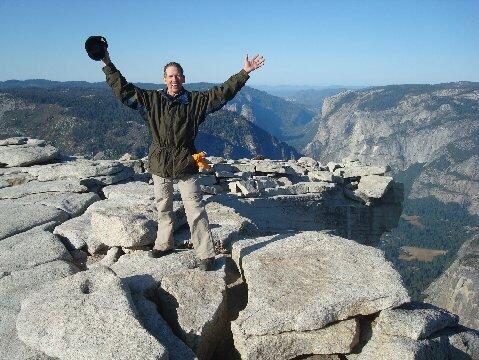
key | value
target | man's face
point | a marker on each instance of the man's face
(174, 80)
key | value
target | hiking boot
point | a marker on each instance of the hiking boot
(206, 264)
(159, 253)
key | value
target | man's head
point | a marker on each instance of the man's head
(174, 78)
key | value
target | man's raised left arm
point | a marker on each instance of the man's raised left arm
(221, 94)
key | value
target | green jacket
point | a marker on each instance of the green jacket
(173, 121)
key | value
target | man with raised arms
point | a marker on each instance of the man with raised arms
(173, 115)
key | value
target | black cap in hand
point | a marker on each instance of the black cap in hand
(95, 47)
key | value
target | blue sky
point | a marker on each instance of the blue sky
(305, 42)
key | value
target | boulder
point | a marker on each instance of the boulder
(243, 188)
(15, 218)
(72, 203)
(16, 286)
(37, 187)
(340, 337)
(75, 232)
(308, 161)
(269, 166)
(415, 321)
(80, 169)
(90, 315)
(159, 328)
(354, 170)
(26, 155)
(126, 226)
(29, 249)
(334, 279)
(11, 347)
(374, 186)
(193, 302)
(133, 189)
(142, 273)
(17, 140)
(403, 348)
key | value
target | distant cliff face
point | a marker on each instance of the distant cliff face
(458, 288)
(404, 125)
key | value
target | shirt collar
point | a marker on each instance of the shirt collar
(182, 98)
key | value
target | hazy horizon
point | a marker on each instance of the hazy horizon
(304, 42)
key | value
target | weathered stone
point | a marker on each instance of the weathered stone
(29, 249)
(215, 159)
(159, 328)
(18, 140)
(332, 166)
(293, 169)
(11, 348)
(79, 169)
(141, 272)
(334, 279)
(37, 187)
(402, 348)
(16, 286)
(134, 189)
(245, 167)
(15, 178)
(264, 182)
(76, 231)
(15, 218)
(268, 166)
(26, 155)
(415, 321)
(245, 187)
(463, 342)
(246, 175)
(102, 180)
(340, 337)
(112, 256)
(374, 186)
(353, 170)
(284, 181)
(90, 315)
(126, 157)
(280, 190)
(72, 203)
(319, 175)
(201, 324)
(304, 160)
(124, 226)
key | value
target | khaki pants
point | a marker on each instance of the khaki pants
(195, 214)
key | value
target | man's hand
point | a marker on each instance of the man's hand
(106, 59)
(253, 64)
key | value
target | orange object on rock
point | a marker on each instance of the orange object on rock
(201, 161)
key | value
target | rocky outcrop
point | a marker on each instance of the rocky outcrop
(78, 279)
(458, 288)
(89, 315)
(336, 280)
(419, 331)
(405, 125)
(22, 151)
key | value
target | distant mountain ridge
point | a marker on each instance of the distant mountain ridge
(86, 118)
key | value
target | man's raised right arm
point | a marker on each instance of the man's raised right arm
(126, 92)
